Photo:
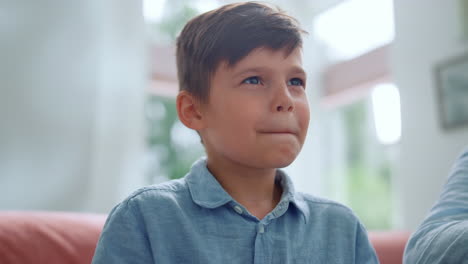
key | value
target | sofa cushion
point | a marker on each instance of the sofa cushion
(48, 237)
(389, 245)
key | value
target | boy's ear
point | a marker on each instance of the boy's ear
(188, 110)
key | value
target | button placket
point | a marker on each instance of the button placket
(261, 228)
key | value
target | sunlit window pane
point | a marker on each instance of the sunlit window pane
(387, 113)
(206, 5)
(355, 27)
(153, 10)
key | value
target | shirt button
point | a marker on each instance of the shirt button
(238, 209)
(261, 229)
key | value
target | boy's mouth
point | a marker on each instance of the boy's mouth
(278, 131)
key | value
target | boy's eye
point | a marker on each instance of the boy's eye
(296, 82)
(252, 80)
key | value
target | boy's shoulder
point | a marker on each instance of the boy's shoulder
(316, 200)
(157, 193)
(323, 207)
(173, 186)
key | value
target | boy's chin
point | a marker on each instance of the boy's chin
(280, 162)
(283, 164)
(283, 159)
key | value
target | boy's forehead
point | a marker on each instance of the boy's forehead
(263, 55)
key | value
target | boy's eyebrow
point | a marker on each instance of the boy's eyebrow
(294, 69)
(250, 70)
(298, 70)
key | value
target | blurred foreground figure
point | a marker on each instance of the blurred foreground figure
(443, 235)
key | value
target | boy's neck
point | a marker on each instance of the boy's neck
(254, 188)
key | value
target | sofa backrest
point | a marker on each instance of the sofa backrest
(389, 245)
(48, 237)
(62, 237)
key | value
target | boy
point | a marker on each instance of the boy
(243, 90)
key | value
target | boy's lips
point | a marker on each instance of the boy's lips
(278, 131)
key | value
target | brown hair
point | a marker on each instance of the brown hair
(230, 33)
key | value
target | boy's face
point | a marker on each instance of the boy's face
(257, 114)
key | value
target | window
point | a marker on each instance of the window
(172, 148)
(362, 108)
(355, 27)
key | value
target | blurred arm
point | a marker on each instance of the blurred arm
(443, 235)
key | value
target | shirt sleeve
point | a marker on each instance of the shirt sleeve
(124, 238)
(365, 253)
(443, 235)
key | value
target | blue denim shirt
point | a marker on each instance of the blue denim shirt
(443, 235)
(194, 220)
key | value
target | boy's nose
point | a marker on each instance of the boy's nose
(281, 108)
(283, 101)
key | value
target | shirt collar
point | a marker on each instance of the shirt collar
(290, 195)
(204, 188)
(207, 192)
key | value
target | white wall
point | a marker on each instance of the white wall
(72, 76)
(427, 32)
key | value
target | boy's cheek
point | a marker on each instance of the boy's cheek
(304, 123)
(304, 113)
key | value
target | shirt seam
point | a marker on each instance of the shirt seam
(328, 203)
(148, 189)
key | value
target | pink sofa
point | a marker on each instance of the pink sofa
(48, 237)
(61, 237)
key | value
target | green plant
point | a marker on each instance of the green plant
(171, 158)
